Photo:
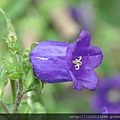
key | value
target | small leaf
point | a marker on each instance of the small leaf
(16, 46)
(2, 82)
(7, 64)
(16, 63)
(26, 53)
(33, 45)
(36, 84)
(29, 80)
(15, 75)
(12, 41)
(26, 61)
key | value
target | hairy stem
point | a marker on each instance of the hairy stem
(18, 97)
(4, 107)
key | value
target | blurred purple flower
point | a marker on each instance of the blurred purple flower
(84, 14)
(108, 96)
(55, 62)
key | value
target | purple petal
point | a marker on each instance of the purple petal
(84, 39)
(87, 78)
(92, 57)
(76, 84)
(69, 54)
(48, 59)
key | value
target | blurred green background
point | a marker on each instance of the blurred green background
(38, 20)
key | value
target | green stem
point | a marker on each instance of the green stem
(18, 97)
(13, 88)
(4, 107)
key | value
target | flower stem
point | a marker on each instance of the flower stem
(13, 88)
(4, 107)
(18, 97)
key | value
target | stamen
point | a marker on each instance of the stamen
(77, 62)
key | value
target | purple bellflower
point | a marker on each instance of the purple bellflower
(55, 62)
(108, 96)
(84, 14)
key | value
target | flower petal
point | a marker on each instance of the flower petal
(87, 78)
(92, 57)
(48, 59)
(77, 84)
(84, 39)
(69, 54)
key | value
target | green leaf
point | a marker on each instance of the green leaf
(36, 84)
(16, 63)
(16, 46)
(7, 64)
(15, 75)
(26, 61)
(26, 53)
(12, 41)
(10, 28)
(2, 82)
(33, 45)
(29, 79)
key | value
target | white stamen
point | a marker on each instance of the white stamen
(77, 63)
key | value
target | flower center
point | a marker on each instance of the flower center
(113, 96)
(77, 63)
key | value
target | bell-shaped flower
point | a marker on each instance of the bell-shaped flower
(55, 62)
(107, 96)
